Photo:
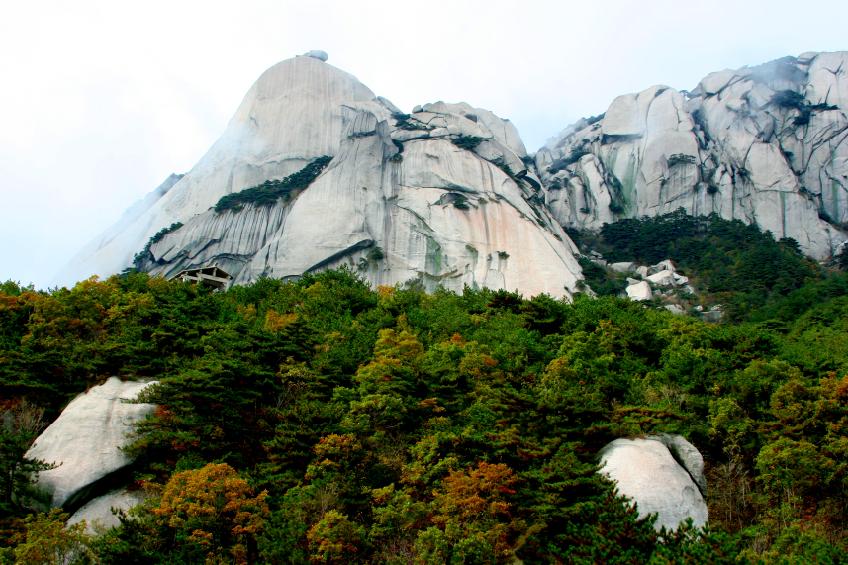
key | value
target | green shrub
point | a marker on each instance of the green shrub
(468, 142)
(145, 254)
(270, 191)
(460, 202)
(681, 159)
(616, 208)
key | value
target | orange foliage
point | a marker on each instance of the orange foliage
(213, 502)
(468, 495)
(384, 291)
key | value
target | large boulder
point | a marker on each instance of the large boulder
(100, 513)
(86, 439)
(639, 291)
(647, 472)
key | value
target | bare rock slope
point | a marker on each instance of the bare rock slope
(315, 171)
(765, 145)
(443, 195)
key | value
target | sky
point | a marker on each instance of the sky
(101, 101)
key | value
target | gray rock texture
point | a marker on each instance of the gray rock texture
(317, 54)
(443, 196)
(764, 145)
(639, 291)
(85, 441)
(688, 456)
(447, 195)
(646, 472)
(98, 514)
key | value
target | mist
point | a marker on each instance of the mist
(102, 101)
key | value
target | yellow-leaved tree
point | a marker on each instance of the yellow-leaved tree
(212, 512)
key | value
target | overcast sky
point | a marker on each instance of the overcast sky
(100, 101)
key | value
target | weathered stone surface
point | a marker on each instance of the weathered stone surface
(442, 195)
(675, 309)
(448, 195)
(98, 513)
(764, 145)
(662, 278)
(623, 267)
(86, 439)
(688, 456)
(640, 290)
(645, 471)
(664, 265)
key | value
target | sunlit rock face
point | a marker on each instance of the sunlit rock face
(443, 196)
(85, 442)
(662, 475)
(448, 196)
(764, 145)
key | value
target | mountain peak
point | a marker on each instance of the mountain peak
(326, 173)
(323, 173)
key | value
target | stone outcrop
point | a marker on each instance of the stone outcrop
(638, 290)
(84, 442)
(662, 475)
(444, 195)
(448, 196)
(687, 456)
(764, 145)
(98, 513)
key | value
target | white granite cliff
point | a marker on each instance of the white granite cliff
(764, 145)
(448, 195)
(442, 195)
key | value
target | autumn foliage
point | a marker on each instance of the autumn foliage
(322, 421)
(213, 509)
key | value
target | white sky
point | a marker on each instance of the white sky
(100, 101)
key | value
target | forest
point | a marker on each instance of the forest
(323, 421)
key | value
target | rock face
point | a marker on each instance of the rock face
(98, 514)
(639, 291)
(448, 196)
(764, 145)
(663, 475)
(443, 196)
(86, 439)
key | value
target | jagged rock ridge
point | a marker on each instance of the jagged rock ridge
(765, 145)
(443, 195)
(447, 195)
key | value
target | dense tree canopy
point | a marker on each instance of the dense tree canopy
(323, 421)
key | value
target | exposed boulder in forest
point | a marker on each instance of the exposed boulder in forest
(639, 290)
(85, 441)
(647, 472)
(98, 512)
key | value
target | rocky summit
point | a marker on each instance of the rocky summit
(315, 171)
(764, 145)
